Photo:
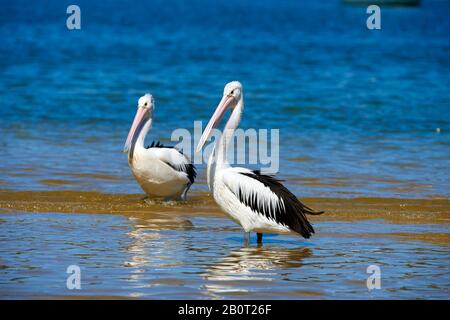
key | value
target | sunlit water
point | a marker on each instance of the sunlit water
(199, 257)
(361, 114)
(358, 110)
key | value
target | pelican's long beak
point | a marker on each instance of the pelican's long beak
(141, 114)
(215, 119)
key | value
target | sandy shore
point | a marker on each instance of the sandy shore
(408, 211)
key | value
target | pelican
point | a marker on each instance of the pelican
(161, 171)
(256, 201)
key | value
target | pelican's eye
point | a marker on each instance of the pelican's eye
(145, 104)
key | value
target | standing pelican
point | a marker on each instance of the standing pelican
(256, 201)
(160, 171)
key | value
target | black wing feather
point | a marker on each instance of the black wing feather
(158, 144)
(293, 214)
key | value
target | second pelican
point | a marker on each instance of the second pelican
(161, 171)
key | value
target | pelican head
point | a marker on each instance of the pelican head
(232, 94)
(146, 102)
(233, 89)
(145, 108)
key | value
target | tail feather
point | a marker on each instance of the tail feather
(310, 211)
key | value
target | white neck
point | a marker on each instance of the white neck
(145, 129)
(139, 141)
(222, 145)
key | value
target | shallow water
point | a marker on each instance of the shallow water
(364, 119)
(202, 257)
(191, 250)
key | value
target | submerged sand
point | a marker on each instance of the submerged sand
(407, 211)
(391, 210)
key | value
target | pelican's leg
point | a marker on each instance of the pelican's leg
(246, 238)
(184, 194)
(259, 237)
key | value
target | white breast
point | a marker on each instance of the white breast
(155, 171)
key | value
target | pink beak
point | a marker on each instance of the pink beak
(215, 120)
(138, 118)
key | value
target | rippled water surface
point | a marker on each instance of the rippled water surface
(358, 110)
(199, 257)
(362, 114)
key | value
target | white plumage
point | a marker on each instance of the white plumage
(160, 171)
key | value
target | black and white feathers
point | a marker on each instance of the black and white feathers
(177, 163)
(269, 198)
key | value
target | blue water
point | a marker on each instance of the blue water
(361, 114)
(358, 110)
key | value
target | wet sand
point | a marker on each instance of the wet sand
(391, 210)
(415, 211)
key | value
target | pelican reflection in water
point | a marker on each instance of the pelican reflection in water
(253, 264)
